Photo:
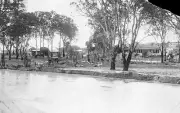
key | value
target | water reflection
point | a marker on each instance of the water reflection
(52, 78)
(63, 93)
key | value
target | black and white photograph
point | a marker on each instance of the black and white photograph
(89, 56)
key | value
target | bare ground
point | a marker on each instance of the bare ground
(168, 69)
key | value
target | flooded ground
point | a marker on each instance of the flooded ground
(37, 92)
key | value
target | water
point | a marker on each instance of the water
(38, 92)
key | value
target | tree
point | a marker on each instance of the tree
(72, 51)
(69, 32)
(65, 27)
(100, 41)
(119, 20)
(100, 15)
(43, 24)
(35, 29)
(22, 26)
(46, 18)
(134, 15)
(158, 21)
(57, 23)
(174, 23)
(12, 9)
(52, 28)
(4, 21)
(90, 48)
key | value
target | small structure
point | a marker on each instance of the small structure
(33, 52)
(54, 53)
(149, 48)
(43, 51)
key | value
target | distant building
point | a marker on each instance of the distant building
(33, 52)
(151, 47)
(155, 49)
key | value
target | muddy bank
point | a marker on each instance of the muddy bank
(101, 72)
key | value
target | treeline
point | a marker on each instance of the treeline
(120, 21)
(17, 27)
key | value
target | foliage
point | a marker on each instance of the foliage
(100, 41)
(120, 20)
(65, 27)
(9, 12)
(159, 26)
(72, 51)
(18, 26)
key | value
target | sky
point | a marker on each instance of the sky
(63, 7)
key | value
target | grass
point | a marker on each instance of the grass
(171, 69)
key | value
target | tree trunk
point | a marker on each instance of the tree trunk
(3, 58)
(51, 45)
(179, 55)
(21, 53)
(59, 52)
(63, 52)
(64, 46)
(43, 41)
(179, 51)
(10, 50)
(13, 51)
(103, 53)
(9, 54)
(162, 54)
(60, 47)
(24, 52)
(113, 61)
(88, 57)
(40, 41)
(25, 59)
(17, 46)
(127, 61)
(165, 56)
(116, 50)
(17, 51)
(48, 44)
(36, 43)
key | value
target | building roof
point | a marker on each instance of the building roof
(148, 46)
(35, 50)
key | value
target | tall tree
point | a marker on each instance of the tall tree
(65, 27)
(16, 8)
(100, 41)
(51, 28)
(23, 25)
(174, 23)
(4, 21)
(11, 9)
(159, 19)
(69, 32)
(119, 20)
(42, 26)
(100, 14)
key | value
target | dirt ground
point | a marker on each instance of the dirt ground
(167, 69)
